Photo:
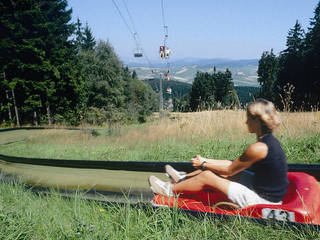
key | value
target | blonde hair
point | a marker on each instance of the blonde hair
(266, 112)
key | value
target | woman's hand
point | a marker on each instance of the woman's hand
(197, 161)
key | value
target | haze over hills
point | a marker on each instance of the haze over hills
(244, 72)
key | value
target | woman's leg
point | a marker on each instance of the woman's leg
(177, 176)
(201, 181)
(194, 173)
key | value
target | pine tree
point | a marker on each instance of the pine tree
(88, 39)
(226, 95)
(202, 93)
(63, 85)
(79, 34)
(39, 58)
(267, 74)
(291, 69)
(84, 39)
(312, 60)
(211, 91)
(221, 89)
(134, 74)
(24, 63)
(230, 97)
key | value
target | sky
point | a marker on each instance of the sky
(234, 29)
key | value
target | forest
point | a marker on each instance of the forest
(54, 71)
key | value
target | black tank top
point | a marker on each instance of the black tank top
(270, 179)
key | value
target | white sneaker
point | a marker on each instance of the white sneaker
(160, 187)
(174, 174)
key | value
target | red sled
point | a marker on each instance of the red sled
(301, 203)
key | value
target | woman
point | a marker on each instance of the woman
(266, 157)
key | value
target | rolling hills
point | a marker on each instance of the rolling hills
(244, 72)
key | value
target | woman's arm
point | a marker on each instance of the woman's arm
(254, 153)
(212, 161)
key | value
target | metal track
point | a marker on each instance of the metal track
(311, 169)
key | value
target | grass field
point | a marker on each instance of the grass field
(216, 134)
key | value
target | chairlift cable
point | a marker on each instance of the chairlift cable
(165, 27)
(162, 8)
(137, 36)
(133, 31)
(164, 54)
(148, 60)
(124, 20)
(130, 17)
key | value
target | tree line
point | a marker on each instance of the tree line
(292, 79)
(53, 71)
(209, 91)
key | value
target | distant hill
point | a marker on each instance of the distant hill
(179, 89)
(244, 72)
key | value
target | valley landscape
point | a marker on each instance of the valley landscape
(244, 72)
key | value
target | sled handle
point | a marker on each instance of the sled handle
(234, 205)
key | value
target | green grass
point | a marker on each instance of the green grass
(302, 149)
(26, 215)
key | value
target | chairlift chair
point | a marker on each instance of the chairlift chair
(137, 55)
(162, 51)
(167, 52)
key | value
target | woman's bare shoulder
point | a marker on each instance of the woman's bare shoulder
(255, 152)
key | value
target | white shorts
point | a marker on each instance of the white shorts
(244, 196)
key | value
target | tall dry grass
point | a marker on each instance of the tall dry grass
(186, 127)
(217, 124)
(190, 126)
